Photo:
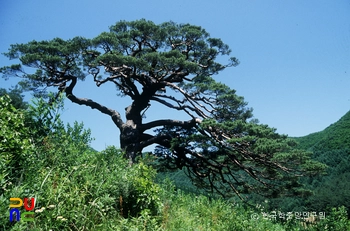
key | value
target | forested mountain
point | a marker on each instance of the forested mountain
(331, 189)
(334, 137)
(332, 147)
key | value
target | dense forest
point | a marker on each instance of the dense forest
(332, 147)
(78, 188)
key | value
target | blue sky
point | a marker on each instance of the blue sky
(294, 55)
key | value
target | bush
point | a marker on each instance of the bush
(16, 147)
(136, 188)
(98, 189)
(337, 220)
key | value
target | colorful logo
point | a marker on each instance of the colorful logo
(25, 216)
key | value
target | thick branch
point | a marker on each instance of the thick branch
(163, 140)
(90, 103)
(184, 124)
(191, 100)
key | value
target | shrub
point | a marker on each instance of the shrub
(337, 220)
(15, 144)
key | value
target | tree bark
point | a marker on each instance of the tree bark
(130, 141)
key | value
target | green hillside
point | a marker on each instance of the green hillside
(331, 147)
(334, 137)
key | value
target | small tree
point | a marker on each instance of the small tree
(171, 64)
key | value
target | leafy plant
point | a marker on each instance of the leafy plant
(16, 146)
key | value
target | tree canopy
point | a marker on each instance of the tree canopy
(220, 144)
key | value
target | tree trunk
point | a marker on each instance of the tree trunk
(129, 142)
(130, 134)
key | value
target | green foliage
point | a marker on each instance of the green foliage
(99, 186)
(141, 45)
(17, 99)
(332, 189)
(77, 188)
(52, 53)
(183, 211)
(16, 147)
(74, 186)
(331, 147)
(254, 159)
(44, 117)
(90, 193)
(336, 220)
(135, 187)
(180, 181)
(228, 105)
